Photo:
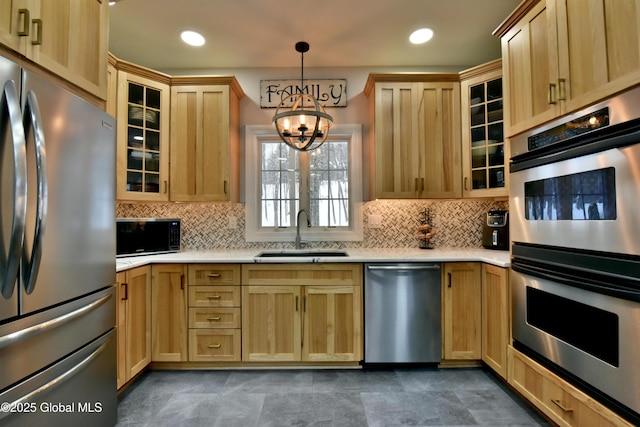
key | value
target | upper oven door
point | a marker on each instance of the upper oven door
(587, 202)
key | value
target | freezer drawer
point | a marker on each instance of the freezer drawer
(402, 313)
(34, 342)
(66, 392)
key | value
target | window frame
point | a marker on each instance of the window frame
(254, 136)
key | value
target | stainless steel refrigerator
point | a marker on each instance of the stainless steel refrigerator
(57, 255)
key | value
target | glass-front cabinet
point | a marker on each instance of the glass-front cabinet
(484, 148)
(143, 138)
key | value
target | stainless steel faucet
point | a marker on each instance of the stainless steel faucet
(298, 242)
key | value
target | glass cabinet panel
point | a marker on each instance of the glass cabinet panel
(487, 135)
(143, 139)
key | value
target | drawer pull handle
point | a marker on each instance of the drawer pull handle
(213, 319)
(38, 25)
(214, 346)
(562, 95)
(25, 23)
(213, 297)
(213, 275)
(560, 405)
(551, 94)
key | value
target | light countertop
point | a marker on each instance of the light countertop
(244, 256)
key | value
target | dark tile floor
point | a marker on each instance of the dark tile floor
(338, 398)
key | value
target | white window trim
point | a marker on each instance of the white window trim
(253, 136)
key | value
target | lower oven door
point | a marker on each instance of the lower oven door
(592, 336)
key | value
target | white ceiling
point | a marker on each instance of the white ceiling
(341, 33)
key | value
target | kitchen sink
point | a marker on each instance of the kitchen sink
(302, 254)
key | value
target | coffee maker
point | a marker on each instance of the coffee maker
(495, 230)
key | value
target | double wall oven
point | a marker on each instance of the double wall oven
(575, 229)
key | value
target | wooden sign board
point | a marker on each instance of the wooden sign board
(328, 92)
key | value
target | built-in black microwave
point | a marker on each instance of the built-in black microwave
(144, 236)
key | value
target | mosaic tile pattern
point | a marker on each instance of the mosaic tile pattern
(458, 223)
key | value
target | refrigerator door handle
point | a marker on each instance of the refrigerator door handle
(103, 342)
(10, 257)
(23, 334)
(30, 264)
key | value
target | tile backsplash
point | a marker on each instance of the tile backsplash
(458, 223)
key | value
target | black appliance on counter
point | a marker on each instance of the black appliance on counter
(495, 230)
(145, 236)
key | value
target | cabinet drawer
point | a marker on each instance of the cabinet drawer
(560, 402)
(214, 345)
(205, 318)
(214, 274)
(564, 404)
(297, 274)
(214, 296)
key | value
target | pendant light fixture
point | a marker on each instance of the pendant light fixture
(300, 120)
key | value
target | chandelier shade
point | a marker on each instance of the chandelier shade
(300, 120)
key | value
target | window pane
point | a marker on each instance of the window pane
(280, 184)
(329, 189)
(136, 94)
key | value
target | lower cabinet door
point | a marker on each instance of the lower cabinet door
(207, 345)
(331, 324)
(271, 323)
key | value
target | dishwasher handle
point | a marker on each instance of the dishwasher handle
(430, 267)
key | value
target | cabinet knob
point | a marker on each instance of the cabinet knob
(213, 297)
(213, 319)
(214, 346)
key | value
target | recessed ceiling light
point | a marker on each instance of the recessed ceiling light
(420, 36)
(192, 38)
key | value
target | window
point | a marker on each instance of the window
(326, 183)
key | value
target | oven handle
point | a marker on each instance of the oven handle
(622, 292)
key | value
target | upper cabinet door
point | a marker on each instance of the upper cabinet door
(142, 169)
(15, 21)
(530, 66)
(416, 136)
(204, 143)
(397, 149)
(67, 37)
(598, 49)
(483, 144)
(563, 55)
(439, 140)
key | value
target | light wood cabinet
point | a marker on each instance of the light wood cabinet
(215, 333)
(205, 129)
(564, 404)
(285, 320)
(495, 317)
(142, 169)
(461, 308)
(67, 37)
(415, 143)
(484, 148)
(133, 290)
(561, 55)
(111, 106)
(169, 313)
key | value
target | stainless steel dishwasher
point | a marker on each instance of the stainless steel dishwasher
(402, 313)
